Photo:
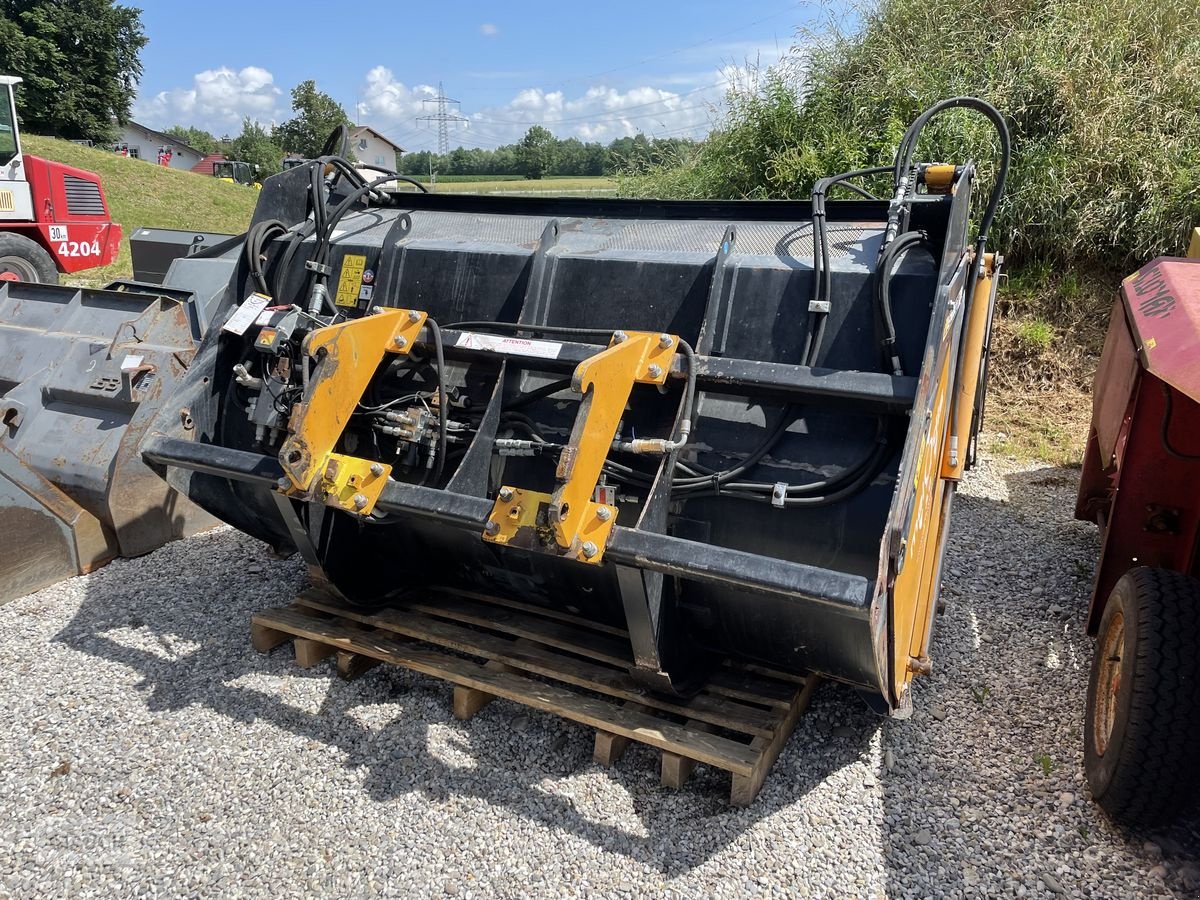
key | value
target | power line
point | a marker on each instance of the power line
(443, 117)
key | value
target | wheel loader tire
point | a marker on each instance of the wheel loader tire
(24, 260)
(1142, 732)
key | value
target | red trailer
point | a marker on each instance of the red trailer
(1141, 485)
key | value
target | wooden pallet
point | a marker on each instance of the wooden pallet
(557, 663)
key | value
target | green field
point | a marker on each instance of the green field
(586, 186)
(142, 194)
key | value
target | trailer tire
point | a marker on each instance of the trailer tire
(1142, 729)
(25, 259)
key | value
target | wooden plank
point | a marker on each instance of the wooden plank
(677, 769)
(543, 611)
(264, 639)
(311, 652)
(351, 665)
(712, 749)
(468, 701)
(530, 656)
(743, 686)
(746, 787)
(544, 631)
(609, 748)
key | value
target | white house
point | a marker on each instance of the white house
(153, 146)
(373, 149)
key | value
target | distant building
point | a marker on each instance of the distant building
(371, 148)
(205, 166)
(141, 142)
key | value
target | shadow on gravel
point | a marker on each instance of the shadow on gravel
(182, 624)
(986, 793)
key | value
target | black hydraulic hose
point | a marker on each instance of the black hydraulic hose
(443, 401)
(883, 278)
(822, 272)
(256, 240)
(908, 146)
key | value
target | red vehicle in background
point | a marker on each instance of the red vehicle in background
(1141, 485)
(53, 218)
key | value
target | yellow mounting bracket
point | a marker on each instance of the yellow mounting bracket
(578, 526)
(347, 356)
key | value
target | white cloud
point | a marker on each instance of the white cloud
(487, 29)
(218, 100)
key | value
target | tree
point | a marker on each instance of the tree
(535, 153)
(317, 114)
(197, 138)
(256, 146)
(80, 61)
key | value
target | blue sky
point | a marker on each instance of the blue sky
(593, 71)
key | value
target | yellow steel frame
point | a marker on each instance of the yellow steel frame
(347, 356)
(581, 527)
(939, 466)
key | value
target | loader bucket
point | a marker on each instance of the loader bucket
(81, 372)
(653, 414)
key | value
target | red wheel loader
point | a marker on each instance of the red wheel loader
(53, 218)
(1141, 485)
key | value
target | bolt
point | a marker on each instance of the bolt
(376, 469)
(590, 550)
(620, 337)
(376, 310)
(400, 341)
(492, 527)
(360, 501)
(603, 513)
(414, 316)
(506, 494)
(655, 371)
(283, 484)
(665, 341)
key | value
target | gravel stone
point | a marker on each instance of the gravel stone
(190, 765)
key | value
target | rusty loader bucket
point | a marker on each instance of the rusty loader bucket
(731, 428)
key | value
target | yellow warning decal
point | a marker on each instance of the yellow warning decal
(350, 282)
(1151, 343)
(6, 201)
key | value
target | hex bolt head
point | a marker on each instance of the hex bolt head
(590, 550)
(492, 527)
(376, 310)
(665, 341)
(620, 337)
(603, 513)
(400, 341)
(376, 469)
(506, 494)
(414, 316)
(655, 371)
(283, 484)
(360, 501)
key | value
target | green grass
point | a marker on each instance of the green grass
(1036, 334)
(141, 194)
(574, 185)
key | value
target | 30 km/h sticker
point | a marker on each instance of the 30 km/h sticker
(351, 279)
(59, 233)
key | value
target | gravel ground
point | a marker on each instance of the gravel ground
(146, 749)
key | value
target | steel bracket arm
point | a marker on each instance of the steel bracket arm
(347, 356)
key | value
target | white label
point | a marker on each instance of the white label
(246, 314)
(59, 233)
(473, 340)
(131, 363)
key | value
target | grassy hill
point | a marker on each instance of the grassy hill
(142, 194)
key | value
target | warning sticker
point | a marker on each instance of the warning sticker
(351, 279)
(246, 314)
(510, 345)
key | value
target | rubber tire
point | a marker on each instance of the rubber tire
(41, 262)
(1148, 773)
